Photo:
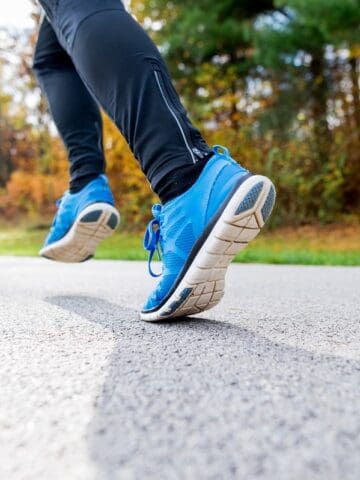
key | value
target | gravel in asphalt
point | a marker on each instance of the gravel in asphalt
(266, 386)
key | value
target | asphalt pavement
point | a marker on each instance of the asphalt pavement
(266, 386)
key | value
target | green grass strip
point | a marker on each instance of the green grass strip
(266, 249)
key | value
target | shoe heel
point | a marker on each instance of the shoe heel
(112, 220)
(91, 217)
(250, 199)
(252, 204)
(269, 204)
(96, 223)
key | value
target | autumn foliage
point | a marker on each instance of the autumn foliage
(278, 88)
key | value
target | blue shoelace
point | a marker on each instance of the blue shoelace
(152, 238)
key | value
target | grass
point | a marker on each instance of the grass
(330, 245)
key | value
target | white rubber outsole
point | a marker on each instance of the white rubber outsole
(93, 225)
(202, 286)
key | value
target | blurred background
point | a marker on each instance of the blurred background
(275, 81)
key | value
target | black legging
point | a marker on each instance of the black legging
(93, 51)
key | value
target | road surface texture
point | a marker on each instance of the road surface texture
(265, 386)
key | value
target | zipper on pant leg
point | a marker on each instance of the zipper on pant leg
(174, 112)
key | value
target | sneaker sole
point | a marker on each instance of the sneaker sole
(202, 286)
(93, 225)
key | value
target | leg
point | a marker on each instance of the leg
(124, 71)
(86, 214)
(215, 207)
(75, 113)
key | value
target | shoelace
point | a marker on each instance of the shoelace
(152, 238)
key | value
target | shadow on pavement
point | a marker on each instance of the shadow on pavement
(191, 396)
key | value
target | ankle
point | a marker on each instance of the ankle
(180, 180)
(77, 184)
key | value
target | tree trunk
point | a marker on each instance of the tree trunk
(352, 170)
(319, 92)
(354, 75)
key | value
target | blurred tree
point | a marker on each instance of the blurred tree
(286, 71)
(277, 81)
(5, 137)
(310, 53)
(209, 49)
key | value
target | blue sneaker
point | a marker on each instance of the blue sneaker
(200, 232)
(82, 221)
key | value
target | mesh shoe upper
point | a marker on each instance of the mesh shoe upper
(183, 220)
(70, 206)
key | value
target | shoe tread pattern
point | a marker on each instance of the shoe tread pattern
(91, 227)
